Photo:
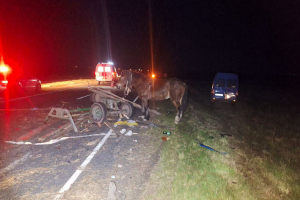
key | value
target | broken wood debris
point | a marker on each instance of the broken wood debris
(109, 125)
(61, 113)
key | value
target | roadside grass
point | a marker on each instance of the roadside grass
(189, 171)
(270, 126)
(263, 153)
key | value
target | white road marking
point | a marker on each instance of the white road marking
(73, 178)
(56, 140)
(12, 165)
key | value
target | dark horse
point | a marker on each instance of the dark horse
(172, 88)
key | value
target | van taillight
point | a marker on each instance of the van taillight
(212, 91)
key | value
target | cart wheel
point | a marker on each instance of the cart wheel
(127, 109)
(96, 98)
(98, 112)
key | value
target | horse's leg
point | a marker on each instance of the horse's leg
(179, 98)
(145, 109)
(146, 105)
(179, 111)
(178, 115)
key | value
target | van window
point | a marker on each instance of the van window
(220, 82)
(100, 69)
(231, 83)
(107, 69)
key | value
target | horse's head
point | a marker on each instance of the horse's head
(125, 80)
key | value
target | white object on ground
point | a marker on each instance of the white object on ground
(111, 191)
(129, 133)
(123, 130)
(55, 140)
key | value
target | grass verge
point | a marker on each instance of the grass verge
(262, 160)
(189, 171)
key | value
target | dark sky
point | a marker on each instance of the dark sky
(189, 37)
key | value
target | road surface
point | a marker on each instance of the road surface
(37, 163)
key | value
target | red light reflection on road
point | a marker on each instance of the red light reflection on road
(6, 116)
(8, 110)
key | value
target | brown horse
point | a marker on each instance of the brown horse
(147, 90)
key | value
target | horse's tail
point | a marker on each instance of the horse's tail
(184, 100)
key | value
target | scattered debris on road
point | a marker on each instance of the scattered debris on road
(111, 191)
(129, 123)
(129, 133)
(165, 138)
(61, 113)
(211, 149)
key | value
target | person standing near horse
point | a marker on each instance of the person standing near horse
(172, 88)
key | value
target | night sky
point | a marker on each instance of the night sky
(189, 37)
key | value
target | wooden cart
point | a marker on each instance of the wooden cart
(106, 103)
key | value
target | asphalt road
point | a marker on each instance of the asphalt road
(79, 167)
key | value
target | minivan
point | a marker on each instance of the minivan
(105, 72)
(225, 87)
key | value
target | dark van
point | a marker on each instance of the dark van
(225, 87)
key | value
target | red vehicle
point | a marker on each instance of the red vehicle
(105, 72)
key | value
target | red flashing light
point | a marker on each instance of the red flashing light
(4, 69)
